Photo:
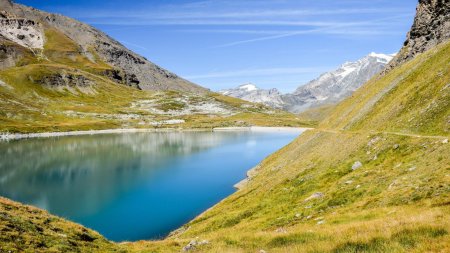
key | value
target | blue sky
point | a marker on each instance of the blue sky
(224, 43)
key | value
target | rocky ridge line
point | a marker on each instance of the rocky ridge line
(431, 27)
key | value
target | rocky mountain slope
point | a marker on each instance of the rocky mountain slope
(57, 74)
(250, 92)
(29, 28)
(329, 88)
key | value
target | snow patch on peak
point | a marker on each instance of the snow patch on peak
(383, 58)
(252, 93)
(248, 87)
(347, 70)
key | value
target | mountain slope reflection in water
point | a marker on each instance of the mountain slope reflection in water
(132, 186)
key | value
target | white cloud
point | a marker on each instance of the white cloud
(354, 28)
(196, 15)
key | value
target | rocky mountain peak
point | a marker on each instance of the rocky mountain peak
(248, 87)
(431, 26)
(27, 27)
(252, 93)
(329, 88)
(384, 58)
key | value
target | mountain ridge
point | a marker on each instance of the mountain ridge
(130, 68)
(431, 27)
(250, 92)
(329, 88)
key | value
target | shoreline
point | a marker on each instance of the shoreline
(19, 136)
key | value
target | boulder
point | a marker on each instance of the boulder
(357, 165)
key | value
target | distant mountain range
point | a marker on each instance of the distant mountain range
(329, 88)
(250, 92)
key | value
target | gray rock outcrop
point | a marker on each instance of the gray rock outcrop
(431, 27)
(63, 79)
(357, 165)
(24, 32)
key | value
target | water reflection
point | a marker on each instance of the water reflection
(131, 186)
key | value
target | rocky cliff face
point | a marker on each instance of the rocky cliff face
(431, 26)
(24, 32)
(27, 26)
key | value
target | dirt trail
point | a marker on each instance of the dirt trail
(376, 132)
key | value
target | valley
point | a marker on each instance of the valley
(371, 173)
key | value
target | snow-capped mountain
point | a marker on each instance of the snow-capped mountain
(329, 88)
(334, 86)
(252, 93)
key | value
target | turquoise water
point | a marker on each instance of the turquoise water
(132, 186)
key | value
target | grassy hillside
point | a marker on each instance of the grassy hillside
(413, 98)
(60, 89)
(373, 178)
(316, 115)
(356, 184)
(28, 229)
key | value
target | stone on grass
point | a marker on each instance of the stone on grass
(281, 230)
(357, 165)
(193, 244)
(315, 195)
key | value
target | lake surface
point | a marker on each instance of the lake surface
(132, 186)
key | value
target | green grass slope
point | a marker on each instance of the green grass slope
(311, 197)
(29, 229)
(316, 115)
(414, 98)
